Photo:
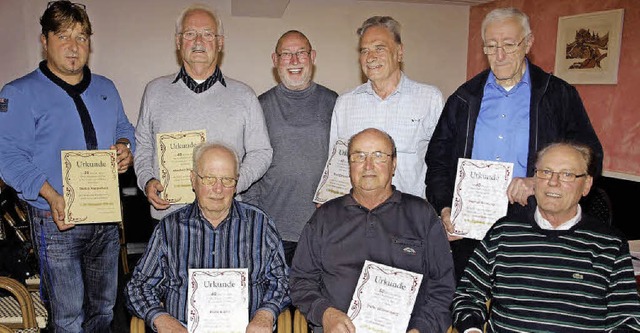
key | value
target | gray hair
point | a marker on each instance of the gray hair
(202, 8)
(382, 21)
(585, 152)
(502, 14)
(202, 148)
(394, 152)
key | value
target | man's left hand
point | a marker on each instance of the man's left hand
(125, 158)
(413, 330)
(262, 322)
(520, 189)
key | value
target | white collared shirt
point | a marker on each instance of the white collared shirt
(410, 115)
(546, 225)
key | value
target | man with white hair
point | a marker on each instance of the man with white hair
(215, 231)
(506, 113)
(200, 97)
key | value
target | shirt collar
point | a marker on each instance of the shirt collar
(396, 197)
(526, 79)
(204, 86)
(368, 87)
(198, 214)
(546, 225)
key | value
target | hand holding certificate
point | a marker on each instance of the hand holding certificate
(384, 298)
(218, 300)
(479, 196)
(175, 151)
(90, 186)
(335, 179)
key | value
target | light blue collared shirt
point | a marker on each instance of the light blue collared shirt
(502, 128)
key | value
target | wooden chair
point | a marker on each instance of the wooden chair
(300, 324)
(5, 329)
(18, 310)
(137, 325)
(283, 322)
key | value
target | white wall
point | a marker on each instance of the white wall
(133, 41)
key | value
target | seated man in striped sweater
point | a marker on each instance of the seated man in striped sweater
(555, 270)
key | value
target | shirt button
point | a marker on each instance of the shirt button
(497, 158)
(500, 137)
(503, 115)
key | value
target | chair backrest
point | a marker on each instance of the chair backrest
(598, 204)
(284, 322)
(26, 309)
(299, 323)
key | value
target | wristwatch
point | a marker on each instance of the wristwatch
(126, 143)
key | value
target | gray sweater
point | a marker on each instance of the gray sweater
(298, 123)
(231, 115)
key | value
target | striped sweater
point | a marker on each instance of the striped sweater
(576, 280)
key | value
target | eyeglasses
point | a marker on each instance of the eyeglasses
(508, 48)
(301, 55)
(79, 5)
(207, 35)
(210, 180)
(376, 157)
(563, 176)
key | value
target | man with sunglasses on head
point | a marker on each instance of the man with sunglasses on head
(555, 269)
(63, 106)
(506, 113)
(215, 231)
(374, 222)
(298, 115)
(200, 97)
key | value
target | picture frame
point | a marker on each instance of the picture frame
(588, 47)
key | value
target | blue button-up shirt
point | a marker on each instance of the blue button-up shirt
(502, 128)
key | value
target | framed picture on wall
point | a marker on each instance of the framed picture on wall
(588, 47)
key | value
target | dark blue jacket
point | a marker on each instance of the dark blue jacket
(556, 114)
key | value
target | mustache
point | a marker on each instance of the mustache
(197, 48)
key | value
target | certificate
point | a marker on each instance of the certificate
(175, 151)
(383, 299)
(218, 300)
(479, 196)
(90, 186)
(335, 179)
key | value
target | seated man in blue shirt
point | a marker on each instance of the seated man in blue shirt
(215, 231)
(378, 223)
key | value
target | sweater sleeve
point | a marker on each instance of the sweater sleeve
(474, 289)
(306, 275)
(257, 146)
(623, 302)
(145, 143)
(18, 144)
(431, 312)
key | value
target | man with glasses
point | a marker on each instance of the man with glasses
(506, 113)
(199, 97)
(298, 115)
(555, 269)
(215, 231)
(390, 101)
(63, 106)
(374, 222)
